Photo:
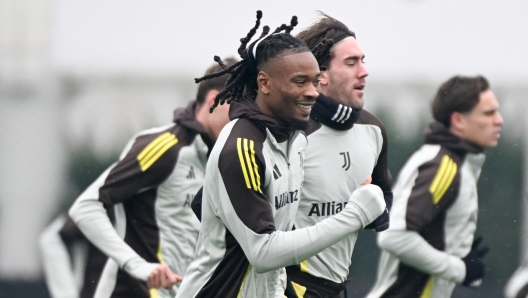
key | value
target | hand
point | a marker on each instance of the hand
(474, 261)
(368, 181)
(381, 223)
(162, 276)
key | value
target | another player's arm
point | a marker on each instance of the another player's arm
(59, 275)
(247, 213)
(146, 164)
(435, 189)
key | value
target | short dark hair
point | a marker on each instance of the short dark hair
(216, 83)
(326, 29)
(458, 94)
(243, 73)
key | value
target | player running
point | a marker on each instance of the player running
(430, 245)
(346, 145)
(254, 176)
(138, 211)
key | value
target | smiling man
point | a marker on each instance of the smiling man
(430, 246)
(255, 173)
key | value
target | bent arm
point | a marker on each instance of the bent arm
(90, 216)
(138, 169)
(278, 249)
(413, 250)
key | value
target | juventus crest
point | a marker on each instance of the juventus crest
(346, 157)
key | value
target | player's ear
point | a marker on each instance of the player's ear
(263, 82)
(457, 121)
(323, 79)
(210, 97)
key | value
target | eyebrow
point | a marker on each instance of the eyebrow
(304, 76)
(355, 57)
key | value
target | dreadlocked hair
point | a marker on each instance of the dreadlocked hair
(216, 83)
(244, 73)
(326, 28)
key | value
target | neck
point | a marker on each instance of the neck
(261, 103)
(201, 113)
(457, 133)
(333, 114)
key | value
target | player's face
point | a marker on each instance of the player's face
(292, 87)
(482, 125)
(344, 79)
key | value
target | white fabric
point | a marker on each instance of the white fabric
(268, 254)
(327, 182)
(59, 274)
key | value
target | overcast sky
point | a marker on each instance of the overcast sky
(402, 39)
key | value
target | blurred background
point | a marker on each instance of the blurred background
(79, 78)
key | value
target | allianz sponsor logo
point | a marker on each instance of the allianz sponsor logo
(285, 198)
(326, 208)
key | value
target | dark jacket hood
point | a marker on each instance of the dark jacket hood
(247, 108)
(438, 134)
(185, 117)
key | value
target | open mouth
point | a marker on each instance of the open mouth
(359, 87)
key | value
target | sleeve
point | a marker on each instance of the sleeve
(381, 175)
(517, 285)
(58, 269)
(247, 212)
(270, 251)
(146, 162)
(414, 251)
(420, 242)
(435, 189)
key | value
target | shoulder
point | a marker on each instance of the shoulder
(369, 118)
(158, 147)
(243, 133)
(441, 171)
(312, 127)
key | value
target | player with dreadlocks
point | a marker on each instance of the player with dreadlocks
(254, 176)
(346, 143)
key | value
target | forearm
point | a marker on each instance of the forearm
(91, 218)
(279, 249)
(413, 250)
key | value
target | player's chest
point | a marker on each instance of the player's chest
(346, 159)
(179, 189)
(465, 209)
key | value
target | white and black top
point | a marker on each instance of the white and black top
(344, 147)
(433, 219)
(250, 197)
(138, 211)
(72, 265)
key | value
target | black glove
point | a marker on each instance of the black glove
(475, 267)
(381, 223)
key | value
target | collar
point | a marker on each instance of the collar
(246, 107)
(437, 133)
(334, 115)
(185, 117)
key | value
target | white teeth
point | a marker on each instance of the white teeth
(304, 106)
